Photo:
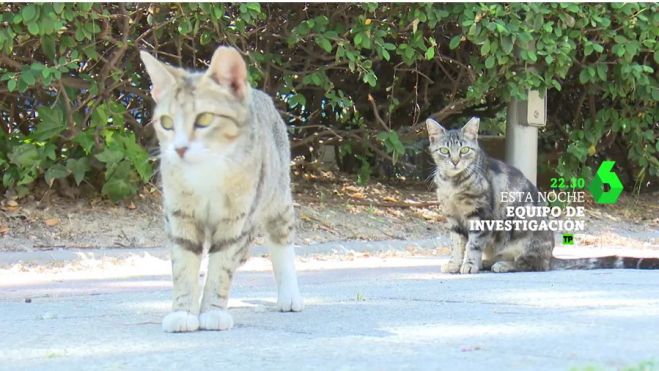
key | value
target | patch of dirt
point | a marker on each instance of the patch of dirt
(328, 209)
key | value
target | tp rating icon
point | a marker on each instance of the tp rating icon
(606, 176)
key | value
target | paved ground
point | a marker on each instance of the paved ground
(375, 312)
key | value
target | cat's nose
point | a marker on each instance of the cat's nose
(455, 162)
(181, 151)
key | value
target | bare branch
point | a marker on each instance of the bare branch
(377, 114)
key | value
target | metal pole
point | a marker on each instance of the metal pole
(521, 142)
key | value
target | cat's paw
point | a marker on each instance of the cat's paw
(289, 300)
(180, 321)
(503, 267)
(468, 268)
(215, 320)
(450, 268)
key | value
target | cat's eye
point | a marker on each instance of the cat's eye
(464, 150)
(204, 119)
(444, 150)
(166, 122)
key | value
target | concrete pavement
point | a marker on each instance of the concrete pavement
(373, 313)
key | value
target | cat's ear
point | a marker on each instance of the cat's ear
(435, 130)
(162, 76)
(228, 69)
(470, 130)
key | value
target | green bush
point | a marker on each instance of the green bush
(362, 77)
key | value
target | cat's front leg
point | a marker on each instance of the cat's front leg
(186, 248)
(476, 242)
(289, 298)
(226, 253)
(279, 233)
(458, 242)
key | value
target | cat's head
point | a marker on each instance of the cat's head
(453, 150)
(200, 116)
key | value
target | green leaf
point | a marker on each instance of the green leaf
(48, 46)
(430, 53)
(389, 46)
(11, 85)
(142, 166)
(601, 71)
(324, 43)
(33, 28)
(370, 78)
(120, 182)
(100, 115)
(218, 11)
(256, 7)
(56, 171)
(48, 151)
(490, 61)
(485, 48)
(110, 156)
(649, 135)
(647, 69)
(85, 140)
(29, 13)
(605, 22)
(588, 50)
(525, 37)
(385, 55)
(24, 155)
(184, 27)
(556, 85)
(618, 50)
(58, 7)
(584, 76)
(357, 40)
(27, 177)
(85, 7)
(455, 41)
(579, 150)
(532, 56)
(78, 167)
(51, 123)
(205, 38)
(138, 157)
(28, 77)
(507, 45)
(548, 28)
(392, 143)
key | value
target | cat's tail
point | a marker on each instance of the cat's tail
(605, 262)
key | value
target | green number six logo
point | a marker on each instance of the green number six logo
(606, 175)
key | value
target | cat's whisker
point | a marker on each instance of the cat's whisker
(430, 178)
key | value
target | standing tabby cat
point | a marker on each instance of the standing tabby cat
(225, 171)
(469, 184)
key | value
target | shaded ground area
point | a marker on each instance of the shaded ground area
(328, 209)
(364, 311)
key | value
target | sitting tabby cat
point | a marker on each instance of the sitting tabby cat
(225, 172)
(468, 187)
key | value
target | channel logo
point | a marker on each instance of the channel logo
(605, 176)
